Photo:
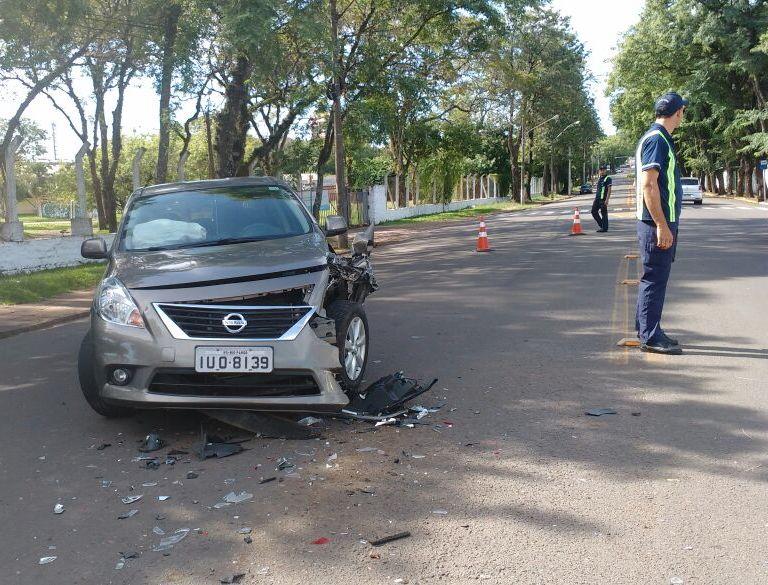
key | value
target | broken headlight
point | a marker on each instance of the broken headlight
(115, 305)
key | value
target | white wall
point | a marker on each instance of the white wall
(43, 253)
(378, 212)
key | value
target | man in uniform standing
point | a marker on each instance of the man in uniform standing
(602, 195)
(659, 202)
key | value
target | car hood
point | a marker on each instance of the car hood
(193, 266)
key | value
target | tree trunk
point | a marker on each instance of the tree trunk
(741, 181)
(720, 175)
(322, 159)
(709, 184)
(173, 11)
(748, 174)
(338, 123)
(233, 120)
(209, 143)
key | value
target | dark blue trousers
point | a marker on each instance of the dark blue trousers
(600, 213)
(657, 264)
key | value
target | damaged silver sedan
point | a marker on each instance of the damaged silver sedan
(226, 294)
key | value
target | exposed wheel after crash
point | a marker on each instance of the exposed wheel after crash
(226, 294)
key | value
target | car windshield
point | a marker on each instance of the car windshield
(691, 182)
(211, 217)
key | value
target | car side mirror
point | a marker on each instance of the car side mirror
(335, 225)
(94, 249)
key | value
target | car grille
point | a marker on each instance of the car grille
(187, 382)
(207, 321)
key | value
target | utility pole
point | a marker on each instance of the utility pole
(53, 138)
(522, 160)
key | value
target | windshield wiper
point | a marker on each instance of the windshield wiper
(221, 242)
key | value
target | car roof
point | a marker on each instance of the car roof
(209, 184)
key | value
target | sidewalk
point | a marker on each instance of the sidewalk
(15, 319)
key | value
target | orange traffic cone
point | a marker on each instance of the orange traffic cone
(576, 227)
(482, 238)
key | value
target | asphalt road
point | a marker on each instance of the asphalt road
(523, 342)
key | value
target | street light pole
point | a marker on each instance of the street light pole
(522, 152)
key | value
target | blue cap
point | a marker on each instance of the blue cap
(669, 103)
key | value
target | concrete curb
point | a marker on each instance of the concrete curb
(44, 324)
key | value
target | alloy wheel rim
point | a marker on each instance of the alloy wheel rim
(354, 348)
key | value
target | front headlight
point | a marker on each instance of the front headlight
(115, 304)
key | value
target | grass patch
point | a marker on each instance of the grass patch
(38, 286)
(471, 212)
(41, 227)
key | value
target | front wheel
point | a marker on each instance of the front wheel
(352, 340)
(698, 201)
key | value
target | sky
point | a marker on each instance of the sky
(598, 23)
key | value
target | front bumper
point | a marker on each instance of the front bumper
(153, 354)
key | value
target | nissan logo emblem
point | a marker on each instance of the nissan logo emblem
(234, 322)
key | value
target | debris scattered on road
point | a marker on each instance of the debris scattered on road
(233, 498)
(635, 413)
(149, 484)
(159, 531)
(267, 480)
(245, 530)
(132, 499)
(192, 475)
(390, 538)
(58, 509)
(46, 560)
(152, 442)
(234, 578)
(440, 512)
(105, 483)
(169, 541)
(386, 396)
(127, 514)
(283, 464)
(321, 540)
(262, 424)
(600, 411)
(163, 498)
(247, 540)
(103, 446)
(218, 449)
(676, 581)
(308, 421)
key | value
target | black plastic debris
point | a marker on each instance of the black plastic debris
(103, 446)
(386, 397)
(219, 450)
(600, 411)
(151, 464)
(192, 475)
(234, 578)
(152, 442)
(263, 424)
(391, 538)
(267, 480)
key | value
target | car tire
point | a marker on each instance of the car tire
(352, 339)
(698, 201)
(86, 372)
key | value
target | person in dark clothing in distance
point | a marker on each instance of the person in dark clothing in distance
(602, 196)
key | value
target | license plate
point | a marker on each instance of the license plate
(233, 359)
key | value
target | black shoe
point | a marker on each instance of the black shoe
(661, 346)
(601, 231)
(669, 340)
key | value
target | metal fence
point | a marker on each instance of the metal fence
(329, 205)
(408, 191)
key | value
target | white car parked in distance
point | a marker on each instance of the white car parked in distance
(692, 190)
